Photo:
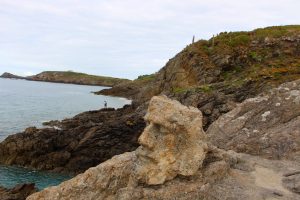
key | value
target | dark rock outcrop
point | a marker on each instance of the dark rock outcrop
(19, 192)
(9, 75)
(75, 144)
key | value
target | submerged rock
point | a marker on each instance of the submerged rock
(211, 174)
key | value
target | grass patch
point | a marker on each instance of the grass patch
(146, 77)
(204, 88)
(240, 40)
(179, 90)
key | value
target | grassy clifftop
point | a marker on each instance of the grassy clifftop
(256, 60)
(271, 53)
(77, 78)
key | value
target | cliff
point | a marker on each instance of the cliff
(261, 58)
(230, 67)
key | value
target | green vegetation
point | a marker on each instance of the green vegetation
(146, 77)
(204, 88)
(254, 55)
(179, 90)
(232, 39)
(275, 31)
(77, 78)
(239, 40)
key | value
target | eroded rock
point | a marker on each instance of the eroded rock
(173, 142)
(267, 125)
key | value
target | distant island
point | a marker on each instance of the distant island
(70, 77)
(9, 75)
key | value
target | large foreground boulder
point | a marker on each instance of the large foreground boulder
(268, 125)
(173, 142)
(195, 170)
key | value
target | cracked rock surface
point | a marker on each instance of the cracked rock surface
(268, 125)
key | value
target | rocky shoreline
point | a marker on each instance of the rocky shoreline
(176, 161)
(248, 94)
(75, 144)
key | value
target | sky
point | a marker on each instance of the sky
(121, 38)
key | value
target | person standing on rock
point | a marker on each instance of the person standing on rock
(105, 104)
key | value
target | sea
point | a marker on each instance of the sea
(30, 103)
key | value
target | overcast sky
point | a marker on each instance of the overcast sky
(121, 38)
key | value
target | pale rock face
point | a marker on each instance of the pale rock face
(272, 121)
(173, 142)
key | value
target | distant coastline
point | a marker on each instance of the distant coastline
(69, 77)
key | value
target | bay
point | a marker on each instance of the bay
(30, 103)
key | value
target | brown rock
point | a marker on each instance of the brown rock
(19, 192)
(78, 144)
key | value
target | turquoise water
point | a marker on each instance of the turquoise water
(10, 176)
(27, 103)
